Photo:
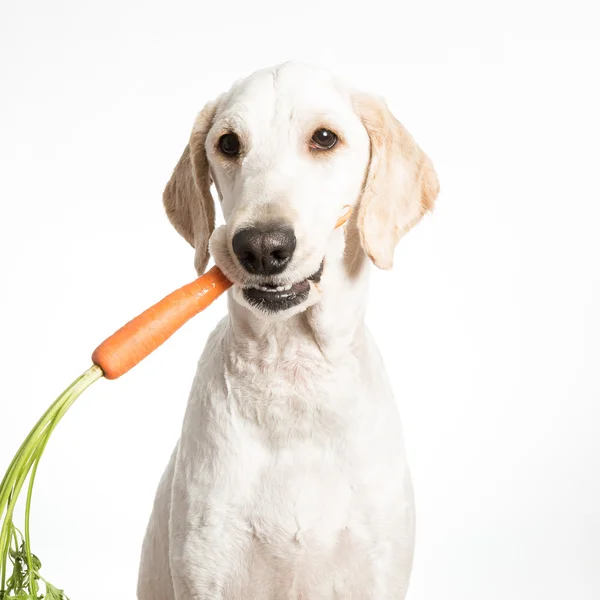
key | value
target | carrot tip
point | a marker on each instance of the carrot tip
(344, 217)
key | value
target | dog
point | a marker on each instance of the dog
(289, 480)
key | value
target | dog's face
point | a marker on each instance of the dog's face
(287, 152)
(288, 149)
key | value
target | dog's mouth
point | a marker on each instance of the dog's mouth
(274, 298)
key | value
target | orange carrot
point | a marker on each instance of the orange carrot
(146, 332)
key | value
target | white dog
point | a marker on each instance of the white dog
(289, 480)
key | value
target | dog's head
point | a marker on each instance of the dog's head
(287, 149)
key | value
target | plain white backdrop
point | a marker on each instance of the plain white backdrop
(489, 323)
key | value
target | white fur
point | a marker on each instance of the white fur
(289, 480)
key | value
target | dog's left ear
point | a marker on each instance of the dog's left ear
(401, 184)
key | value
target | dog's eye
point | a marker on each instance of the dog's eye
(323, 139)
(229, 144)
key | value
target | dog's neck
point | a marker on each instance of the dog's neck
(299, 377)
(332, 325)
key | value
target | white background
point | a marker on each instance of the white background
(489, 323)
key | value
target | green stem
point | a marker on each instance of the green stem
(40, 425)
(17, 464)
(32, 583)
(28, 456)
(13, 494)
(5, 533)
(64, 408)
(71, 393)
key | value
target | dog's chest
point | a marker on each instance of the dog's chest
(296, 464)
(314, 443)
(293, 391)
(311, 512)
(305, 497)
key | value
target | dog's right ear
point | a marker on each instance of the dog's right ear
(187, 198)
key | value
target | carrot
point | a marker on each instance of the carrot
(145, 333)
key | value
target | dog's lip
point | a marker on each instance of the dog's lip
(278, 294)
(274, 298)
(290, 288)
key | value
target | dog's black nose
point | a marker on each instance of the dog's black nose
(264, 250)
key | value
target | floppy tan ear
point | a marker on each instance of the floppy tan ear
(401, 184)
(187, 198)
